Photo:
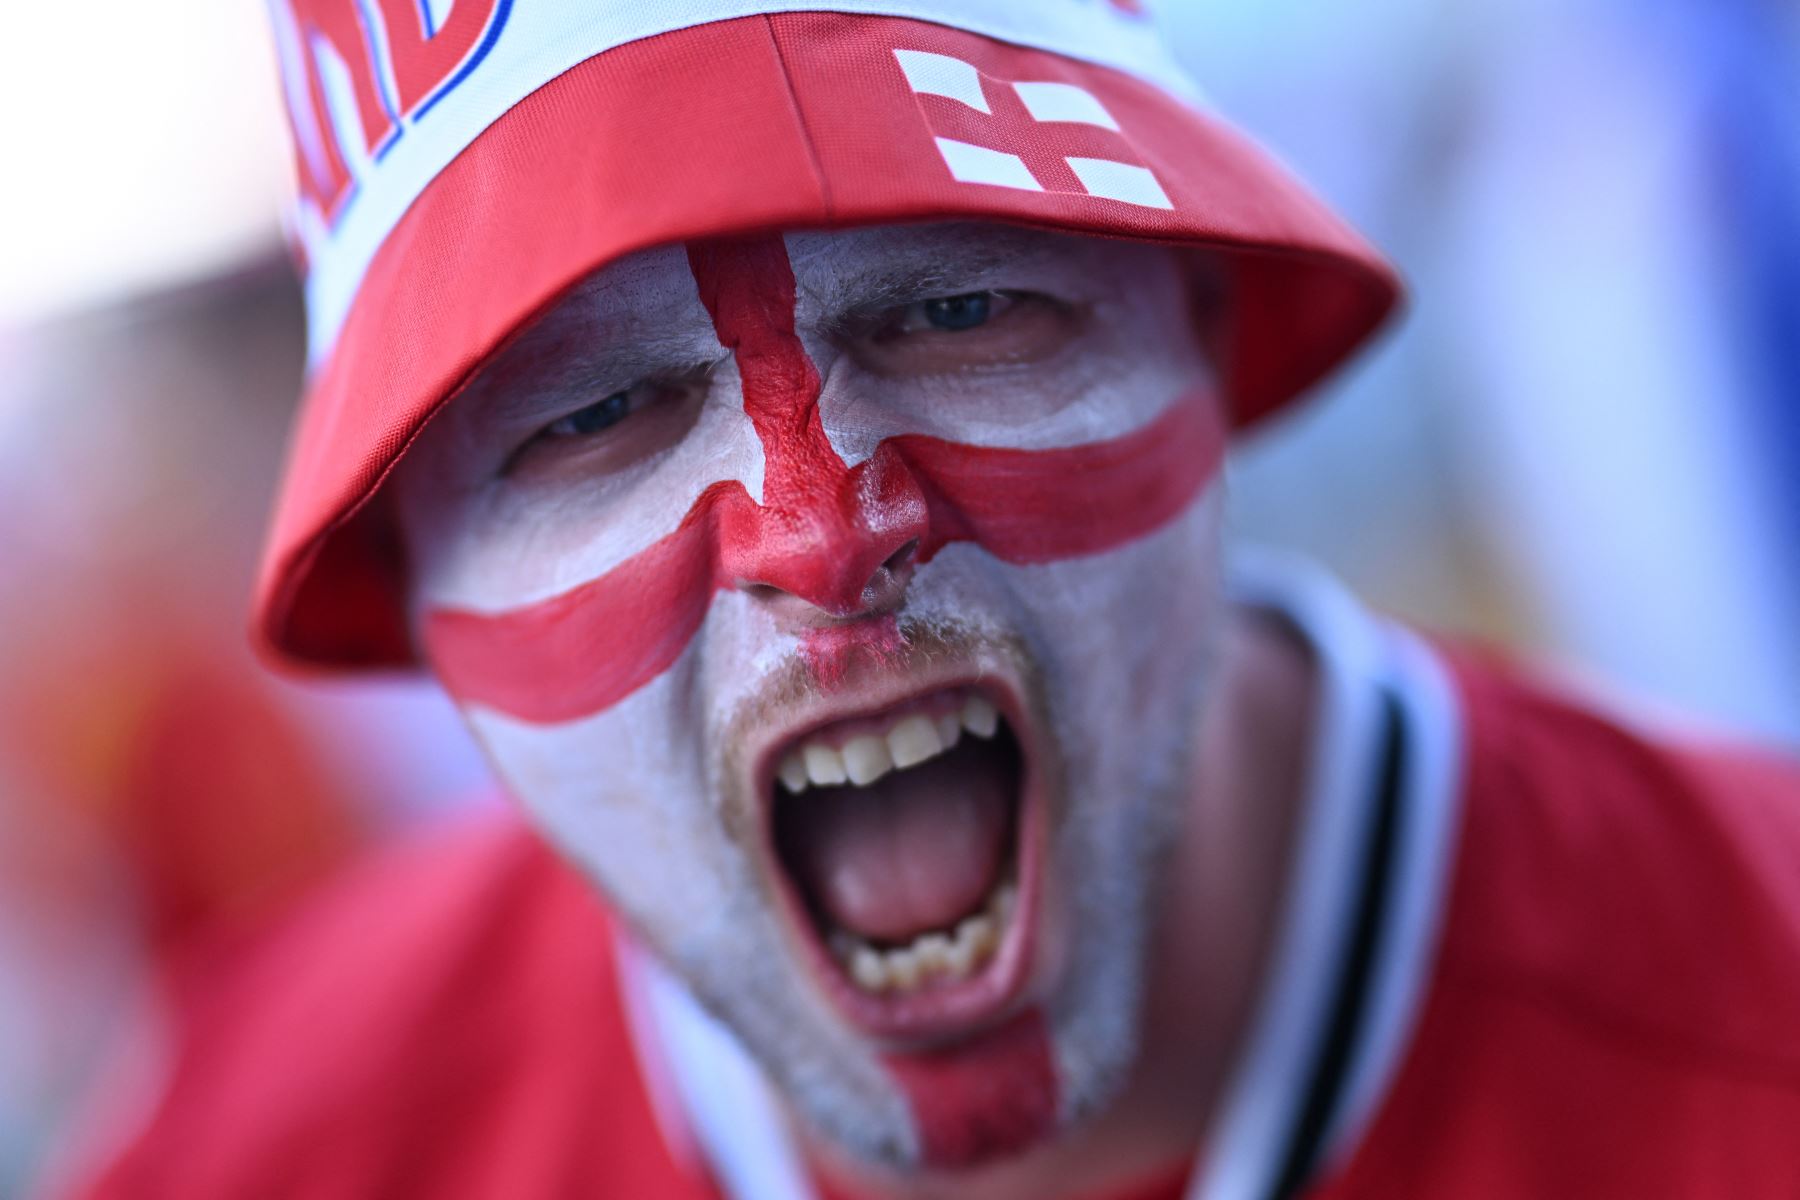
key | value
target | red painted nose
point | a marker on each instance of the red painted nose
(845, 547)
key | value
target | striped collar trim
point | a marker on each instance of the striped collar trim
(1357, 938)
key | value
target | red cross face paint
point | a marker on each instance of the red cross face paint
(842, 604)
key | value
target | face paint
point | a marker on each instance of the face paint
(830, 651)
(624, 709)
(989, 1100)
(823, 529)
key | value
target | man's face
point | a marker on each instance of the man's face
(842, 603)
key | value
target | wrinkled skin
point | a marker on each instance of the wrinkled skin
(523, 489)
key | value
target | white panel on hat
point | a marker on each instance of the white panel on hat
(545, 38)
(978, 164)
(1064, 102)
(942, 75)
(1120, 181)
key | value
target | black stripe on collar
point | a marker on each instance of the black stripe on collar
(1356, 969)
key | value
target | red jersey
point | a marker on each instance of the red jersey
(1530, 952)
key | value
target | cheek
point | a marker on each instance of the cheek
(1129, 640)
(1112, 634)
(1131, 627)
(622, 794)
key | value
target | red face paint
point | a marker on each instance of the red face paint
(830, 651)
(993, 1096)
(823, 527)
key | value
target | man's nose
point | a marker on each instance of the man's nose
(846, 550)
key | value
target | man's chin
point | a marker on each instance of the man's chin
(992, 1099)
(959, 1103)
(1057, 1060)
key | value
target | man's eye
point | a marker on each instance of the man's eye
(597, 438)
(600, 415)
(967, 331)
(950, 314)
(957, 313)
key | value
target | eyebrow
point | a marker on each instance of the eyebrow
(908, 276)
(512, 389)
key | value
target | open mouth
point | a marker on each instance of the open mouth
(904, 837)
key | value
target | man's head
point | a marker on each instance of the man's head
(841, 601)
(732, 558)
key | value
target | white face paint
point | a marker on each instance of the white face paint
(1085, 609)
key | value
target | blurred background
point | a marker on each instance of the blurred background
(1582, 444)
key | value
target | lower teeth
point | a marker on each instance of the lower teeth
(943, 954)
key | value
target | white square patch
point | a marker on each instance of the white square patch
(978, 164)
(941, 75)
(1120, 181)
(1064, 102)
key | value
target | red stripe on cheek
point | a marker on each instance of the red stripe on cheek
(975, 1102)
(585, 650)
(1037, 506)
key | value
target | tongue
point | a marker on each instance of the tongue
(918, 850)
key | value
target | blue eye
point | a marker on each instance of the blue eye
(602, 414)
(957, 313)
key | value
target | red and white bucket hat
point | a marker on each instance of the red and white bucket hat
(464, 162)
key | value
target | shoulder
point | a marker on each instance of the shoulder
(1611, 1010)
(1648, 873)
(443, 1019)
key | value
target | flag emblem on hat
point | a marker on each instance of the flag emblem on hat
(1035, 136)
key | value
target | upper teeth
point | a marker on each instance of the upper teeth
(909, 741)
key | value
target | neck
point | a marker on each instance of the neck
(1225, 881)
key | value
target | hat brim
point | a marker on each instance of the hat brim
(793, 121)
